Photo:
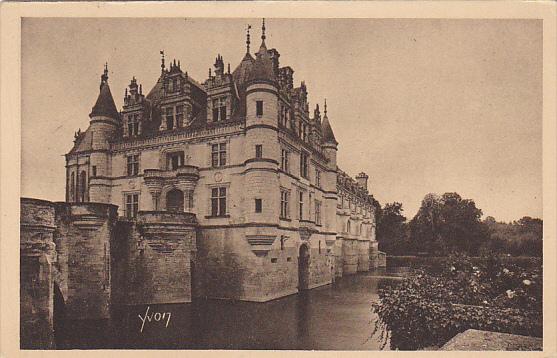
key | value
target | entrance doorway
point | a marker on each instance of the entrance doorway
(175, 201)
(303, 268)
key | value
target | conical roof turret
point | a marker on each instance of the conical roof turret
(328, 135)
(105, 106)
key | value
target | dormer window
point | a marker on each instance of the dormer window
(169, 116)
(133, 124)
(219, 109)
(180, 115)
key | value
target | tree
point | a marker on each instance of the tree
(391, 229)
(448, 223)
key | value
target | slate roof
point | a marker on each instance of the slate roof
(328, 135)
(105, 104)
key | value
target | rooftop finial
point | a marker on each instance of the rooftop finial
(104, 76)
(162, 60)
(325, 108)
(228, 67)
(263, 37)
(247, 38)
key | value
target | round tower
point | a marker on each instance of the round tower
(103, 127)
(262, 151)
(329, 146)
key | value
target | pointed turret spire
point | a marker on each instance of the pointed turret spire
(104, 76)
(263, 47)
(247, 38)
(104, 106)
(328, 135)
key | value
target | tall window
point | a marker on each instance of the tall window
(258, 205)
(284, 207)
(300, 205)
(218, 155)
(304, 165)
(219, 109)
(82, 186)
(259, 108)
(72, 187)
(258, 151)
(132, 205)
(348, 227)
(284, 160)
(133, 164)
(180, 115)
(133, 124)
(169, 115)
(94, 171)
(317, 212)
(318, 178)
(188, 195)
(174, 160)
(218, 201)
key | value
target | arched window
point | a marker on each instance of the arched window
(82, 186)
(360, 230)
(72, 187)
(348, 227)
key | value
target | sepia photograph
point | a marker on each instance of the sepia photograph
(281, 183)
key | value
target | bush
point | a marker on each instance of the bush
(431, 306)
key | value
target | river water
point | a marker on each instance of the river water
(333, 317)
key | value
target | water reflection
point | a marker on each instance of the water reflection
(334, 317)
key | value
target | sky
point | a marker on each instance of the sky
(421, 105)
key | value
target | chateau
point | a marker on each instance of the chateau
(227, 188)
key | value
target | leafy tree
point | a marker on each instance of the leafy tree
(518, 238)
(448, 223)
(391, 229)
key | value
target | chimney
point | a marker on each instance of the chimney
(362, 180)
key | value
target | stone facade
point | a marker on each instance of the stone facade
(224, 189)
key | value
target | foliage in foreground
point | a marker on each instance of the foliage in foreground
(430, 307)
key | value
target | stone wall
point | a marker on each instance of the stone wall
(37, 255)
(83, 236)
(152, 259)
(228, 267)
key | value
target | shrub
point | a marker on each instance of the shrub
(430, 306)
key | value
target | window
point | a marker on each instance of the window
(169, 118)
(318, 178)
(188, 200)
(218, 201)
(218, 155)
(219, 109)
(348, 227)
(259, 108)
(284, 206)
(72, 187)
(284, 160)
(82, 186)
(133, 124)
(300, 205)
(317, 212)
(94, 170)
(180, 115)
(304, 165)
(258, 205)
(258, 151)
(174, 160)
(132, 205)
(133, 164)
